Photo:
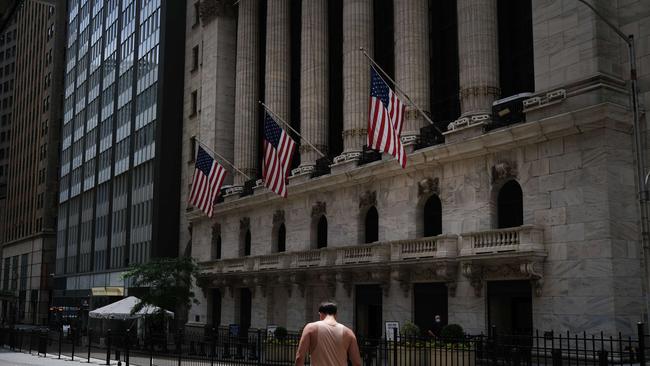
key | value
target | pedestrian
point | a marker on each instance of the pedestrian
(328, 342)
(437, 327)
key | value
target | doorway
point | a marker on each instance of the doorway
(510, 307)
(245, 302)
(429, 300)
(368, 310)
(215, 310)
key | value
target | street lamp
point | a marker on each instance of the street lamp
(640, 156)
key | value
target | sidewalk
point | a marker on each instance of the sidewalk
(8, 357)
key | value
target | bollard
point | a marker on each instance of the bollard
(60, 340)
(108, 347)
(394, 346)
(126, 347)
(89, 344)
(73, 342)
(179, 347)
(641, 332)
(602, 358)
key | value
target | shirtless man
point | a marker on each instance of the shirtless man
(328, 342)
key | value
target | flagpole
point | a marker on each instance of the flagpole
(375, 64)
(291, 128)
(224, 159)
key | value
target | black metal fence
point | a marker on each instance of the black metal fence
(255, 347)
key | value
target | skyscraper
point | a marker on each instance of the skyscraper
(30, 117)
(120, 152)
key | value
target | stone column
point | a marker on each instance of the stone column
(278, 59)
(246, 94)
(412, 61)
(357, 32)
(314, 82)
(478, 56)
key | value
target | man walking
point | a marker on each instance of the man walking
(328, 342)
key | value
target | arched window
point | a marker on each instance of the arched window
(282, 238)
(247, 243)
(321, 236)
(432, 217)
(372, 225)
(510, 208)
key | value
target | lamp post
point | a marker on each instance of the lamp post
(638, 147)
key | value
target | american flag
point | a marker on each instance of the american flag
(208, 177)
(385, 119)
(278, 150)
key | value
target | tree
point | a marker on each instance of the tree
(168, 280)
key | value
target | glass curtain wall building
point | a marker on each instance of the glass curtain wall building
(122, 112)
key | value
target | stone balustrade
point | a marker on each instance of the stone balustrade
(519, 239)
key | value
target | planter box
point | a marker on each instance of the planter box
(408, 356)
(452, 357)
(279, 352)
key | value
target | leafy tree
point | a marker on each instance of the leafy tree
(168, 280)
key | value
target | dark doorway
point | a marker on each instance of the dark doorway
(368, 309)
(510, 307)
(429, 300)
(282, 238)
(245, 307)
(321, 237)
(432, 216)
(372, 225)
(510, 205)
(216, 308)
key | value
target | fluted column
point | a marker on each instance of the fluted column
(412, 60)
(314, 74)
(357, 32)
(278, 58)
(246, 94)
(478, 55)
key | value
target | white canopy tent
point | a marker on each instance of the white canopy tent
(121, 310)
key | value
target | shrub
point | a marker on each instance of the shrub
(280, 333)
(452, 333)
(410, 330)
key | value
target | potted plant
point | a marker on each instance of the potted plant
(451, 349)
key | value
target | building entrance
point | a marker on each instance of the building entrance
(510, 307)
(368, 308)
(245, 310)
(216, 308)
(429, 300)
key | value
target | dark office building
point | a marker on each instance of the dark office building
(31, 64)
(121, 139)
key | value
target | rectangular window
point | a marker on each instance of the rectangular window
(197, 13)
(195, 58)
(194, 104)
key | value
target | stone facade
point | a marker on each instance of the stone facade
(578, 245)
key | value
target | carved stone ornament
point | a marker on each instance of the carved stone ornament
(319, 209)
(503, 171)
(367, 200)
(344, 278)
(402, 276)
(428, 187)
(210, 9)
(474, 273)
(278, 217)
(244, 223)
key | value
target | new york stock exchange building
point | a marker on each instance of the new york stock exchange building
(518, 206)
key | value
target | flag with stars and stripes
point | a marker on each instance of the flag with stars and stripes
(278, 150)
(206, 184)
(386, 119)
